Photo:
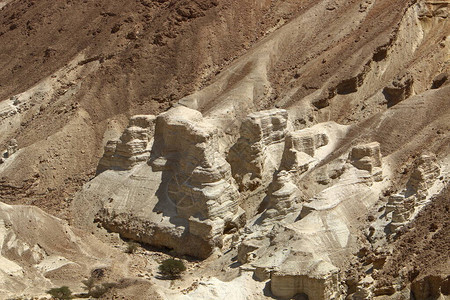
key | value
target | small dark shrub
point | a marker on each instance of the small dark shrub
(98, 273)
(61, 293)
(132, 247)
(100, 289)
(172, 268)
(96, 285)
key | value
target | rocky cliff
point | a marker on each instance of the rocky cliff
(284, 149)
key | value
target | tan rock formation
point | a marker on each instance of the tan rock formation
(402, 209)
(302, 274)
(300, 148)
(133, 146)
(256, 154)
(251, 249)
(11, 148)
(367, 157)
(284, 196)
(400, 89)
(184, 198)
(38, 251)
(425, 173)
(402, 205)
(200, 184)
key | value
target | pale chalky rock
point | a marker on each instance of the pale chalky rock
(199, 178)
(284, 196)
(367, 157)
(401, 209)
(300, 148)
(133, 146)
(11, 147)
(300, 274)
(424, 174)
(307, 140)
(38, 249)
(393, 201)
(250, 249)
(256, 154)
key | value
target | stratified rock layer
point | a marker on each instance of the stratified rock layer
(402, 205)
(283, 196)
(367, 157)
(300, 148)
(132, 147)
(201, 185)
(253, 158)
(304, 275)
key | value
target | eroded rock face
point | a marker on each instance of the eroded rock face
(402, 205)
(300, 148)
(11, 148)
(400, 89)
(424, 174)
(367, 157)
(252, 158)
(250, 249)
(402, 209)
(132, 147)
(37, 249)
(299, 233)
(284, 196)
(305, 275)
(200, 182)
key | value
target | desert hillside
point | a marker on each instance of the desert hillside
(292, 149)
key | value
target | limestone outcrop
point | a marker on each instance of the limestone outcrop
(256, 154)
(180, 194)
(313, 186)
(187, 198)
(11, 148)
(251, 249)
(132, 148)
(403, 204)
(300, 148)
(38, 249)
(400, 89)
(424, 174)
(367, 157)
(200, 183)
(401, 209)
(283, 196)
(301, 274)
